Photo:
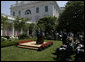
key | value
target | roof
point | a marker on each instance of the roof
(9, 16)
(62, 8)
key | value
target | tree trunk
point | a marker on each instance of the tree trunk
(28, 32)
(21, 31)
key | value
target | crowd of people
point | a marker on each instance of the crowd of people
(71, 44)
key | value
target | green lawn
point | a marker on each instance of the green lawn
(13, 53)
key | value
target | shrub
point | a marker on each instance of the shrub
(22, 36)
(6, 37)
(13, 38)
(41, 48)
(45, 45)
(33, 38)
(49, 37)
(3, 39)
(8, 43)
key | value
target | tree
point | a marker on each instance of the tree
(20, 24)
(47, 24)
(32, 28)
(72, 18)
(4, 23)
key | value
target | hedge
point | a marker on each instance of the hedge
(3, 39)
(8, 43)
(8, 37)
(46, 45)
(13, 42)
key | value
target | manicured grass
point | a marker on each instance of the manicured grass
(13, 53)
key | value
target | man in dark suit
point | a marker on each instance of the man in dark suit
(64, 38)
(40, 37)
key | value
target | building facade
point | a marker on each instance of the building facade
(34, 10)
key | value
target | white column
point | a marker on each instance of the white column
(21, 31)
(28, 32)
(1, 30)
(13, 30)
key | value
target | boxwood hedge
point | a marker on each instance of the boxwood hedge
(8, 43)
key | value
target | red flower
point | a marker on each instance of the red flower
(43, 45)
(24, 41)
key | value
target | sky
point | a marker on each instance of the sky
(5, 6)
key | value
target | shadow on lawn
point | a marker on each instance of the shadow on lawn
(61, 58)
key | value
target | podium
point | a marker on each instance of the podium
(40, 40)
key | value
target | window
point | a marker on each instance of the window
(27, 12)
(13, 13)
(46, 8)
(19, 13)
(37, 10)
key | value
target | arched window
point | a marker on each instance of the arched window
(27, 12)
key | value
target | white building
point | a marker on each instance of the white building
(34, 10)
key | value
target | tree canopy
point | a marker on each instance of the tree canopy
(72, 18)
(20, 23)
(47, 23)
(4, 22)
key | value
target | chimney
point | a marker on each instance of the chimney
(16, 2)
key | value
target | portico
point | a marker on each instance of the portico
(10, 30)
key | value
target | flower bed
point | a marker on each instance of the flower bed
(25, 41)
(43, 46)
